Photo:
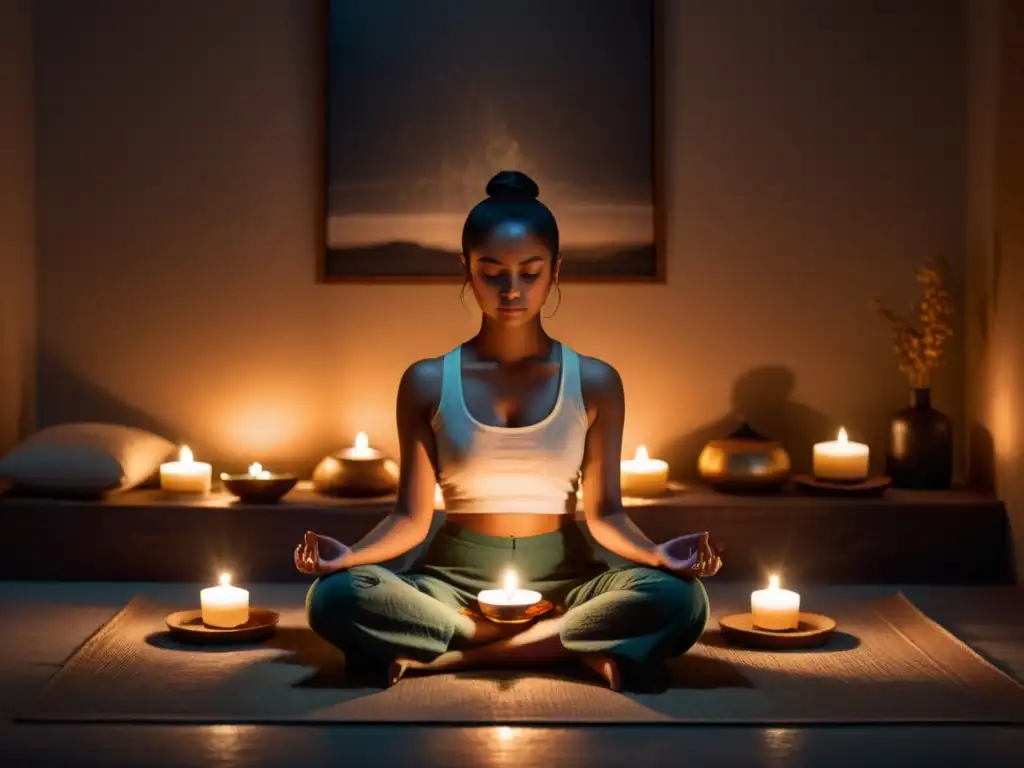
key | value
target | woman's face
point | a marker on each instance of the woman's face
(511, 275)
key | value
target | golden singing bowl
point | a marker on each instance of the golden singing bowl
(339, 475)
(744, 462)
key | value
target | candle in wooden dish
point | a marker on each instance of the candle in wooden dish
(259, 485)
(841, 460)
(643, 476)
(224, 606)
(509, 603)
(774, 608)
(185, 475)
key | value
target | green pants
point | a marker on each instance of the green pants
(636, 613)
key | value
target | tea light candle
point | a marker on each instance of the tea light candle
(185, 475)
(642, 475)
(224, 606)
(841, 460)
(774, 608)
(257, 472)
(361, 449)
(510, 595)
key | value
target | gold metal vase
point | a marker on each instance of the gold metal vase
(744, 462)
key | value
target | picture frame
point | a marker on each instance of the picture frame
(424, 102)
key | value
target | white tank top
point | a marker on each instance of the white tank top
(490, 470)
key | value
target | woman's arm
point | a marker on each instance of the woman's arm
(688, 556)
(602, 493)
(407, 527)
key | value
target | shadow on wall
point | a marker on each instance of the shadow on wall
(982, 460)
(62, 395)
(763, 398)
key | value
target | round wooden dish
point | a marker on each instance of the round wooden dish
(814, 630)
(514, 614)
(188, 627)
(259, 490)
(873, 486)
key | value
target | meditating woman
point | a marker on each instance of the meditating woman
(507, 423)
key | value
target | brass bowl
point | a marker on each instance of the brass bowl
(744, 462)
(259, 490)
(340, 475)
(514, 614)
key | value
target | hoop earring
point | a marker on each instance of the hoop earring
(558, 303)
(462, 297)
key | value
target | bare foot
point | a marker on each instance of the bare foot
(486, 631)
(401, 667)
(605, 667)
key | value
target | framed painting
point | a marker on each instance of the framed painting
(425, 101)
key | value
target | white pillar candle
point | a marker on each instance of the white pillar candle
(642, 475)
(774, 608)
(841, 460)
(185, 475)
(224, 606)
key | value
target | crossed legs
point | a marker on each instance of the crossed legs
(421, 625)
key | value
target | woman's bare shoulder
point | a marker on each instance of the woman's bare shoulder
(421, 384)
(600, 382)
(599, 376)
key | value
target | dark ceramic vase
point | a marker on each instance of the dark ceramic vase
(920, 452)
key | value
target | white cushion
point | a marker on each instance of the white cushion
(85, 457)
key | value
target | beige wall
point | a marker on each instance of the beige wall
(814, 159)
(17, 223)
(995, 285)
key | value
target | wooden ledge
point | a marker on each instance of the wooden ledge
(907, 537)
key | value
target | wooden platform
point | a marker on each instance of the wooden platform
(905, 537)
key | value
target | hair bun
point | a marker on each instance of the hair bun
(512, 185)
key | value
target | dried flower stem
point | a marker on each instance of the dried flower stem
(919, 346)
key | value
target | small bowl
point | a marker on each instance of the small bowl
(259, 490)
(514, 614)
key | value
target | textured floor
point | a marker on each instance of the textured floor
(43, 623)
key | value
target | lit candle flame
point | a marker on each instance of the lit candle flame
(511, 582)
(361, 449)
(256, 470)
(185, 455)
(842, 436)
(225, 579)
(641, 453)
(773, 582)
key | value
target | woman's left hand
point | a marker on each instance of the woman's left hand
(691, 556)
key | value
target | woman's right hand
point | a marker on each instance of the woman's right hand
(691, 556)
(319, 555)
